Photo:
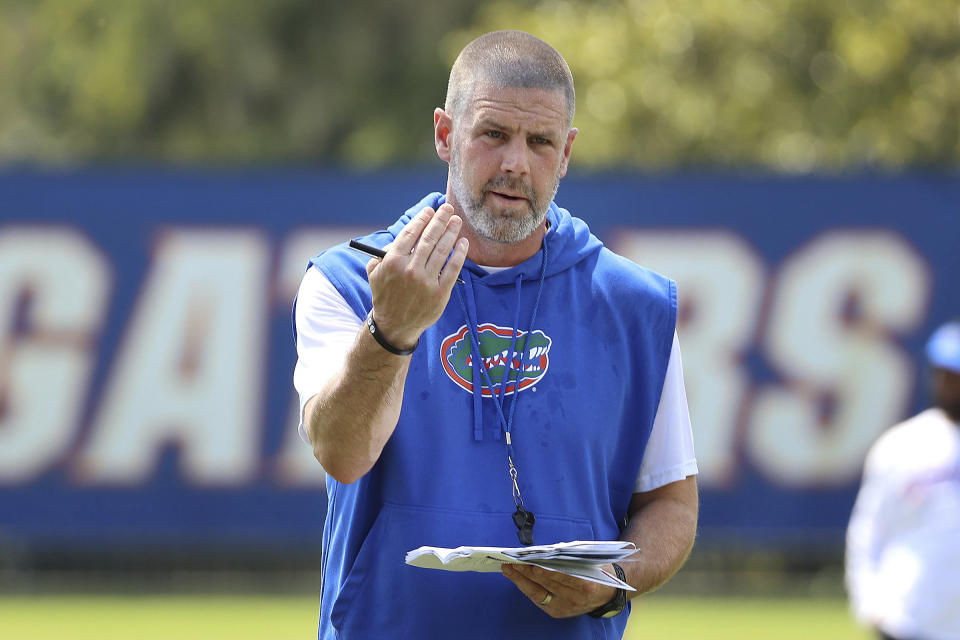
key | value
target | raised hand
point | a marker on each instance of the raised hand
(412, 284)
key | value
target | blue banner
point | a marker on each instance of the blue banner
(146, 353)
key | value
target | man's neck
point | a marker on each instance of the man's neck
(497, 254)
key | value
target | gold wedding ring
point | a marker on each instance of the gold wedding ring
(546, 599)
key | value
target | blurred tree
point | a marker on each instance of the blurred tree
(789, 85)
(220, 81)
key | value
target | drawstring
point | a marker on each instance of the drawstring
(526, 344)
(522, 518)
(497, 395)
(469, 310)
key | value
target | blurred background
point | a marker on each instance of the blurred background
(166, 169)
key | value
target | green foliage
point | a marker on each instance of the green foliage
(222, 82)
(790, 85)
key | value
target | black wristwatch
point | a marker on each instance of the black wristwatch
(619, 601)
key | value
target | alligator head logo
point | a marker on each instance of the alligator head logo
(457, 355)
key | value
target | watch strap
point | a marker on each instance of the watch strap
(619, 601)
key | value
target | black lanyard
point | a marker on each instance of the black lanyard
(522, 518)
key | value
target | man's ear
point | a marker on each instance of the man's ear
(567, 148)
(442, 127)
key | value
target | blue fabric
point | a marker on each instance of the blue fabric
(595, 366)
(943, 348)
(479, 372)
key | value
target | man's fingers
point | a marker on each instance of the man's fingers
(546, 579)
(557, 583)
(431, 235)
(444, 245)
(407, 238)
(528, 587)
(452, 269)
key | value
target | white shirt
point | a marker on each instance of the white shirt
(903, 543)
(327, 328)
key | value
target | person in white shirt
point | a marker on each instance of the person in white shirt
(903, 541)
(411, 366)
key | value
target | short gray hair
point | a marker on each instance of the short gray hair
(509, 59)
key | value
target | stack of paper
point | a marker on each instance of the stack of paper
(579, 559)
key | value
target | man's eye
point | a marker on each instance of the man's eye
(540, 140)
(495, 134)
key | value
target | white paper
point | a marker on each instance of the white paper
(581, 559)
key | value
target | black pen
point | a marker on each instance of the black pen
(376, 253)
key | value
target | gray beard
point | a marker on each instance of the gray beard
(487, 224)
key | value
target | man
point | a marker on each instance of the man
(903, 555)
(537, 399)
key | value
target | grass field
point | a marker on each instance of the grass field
(294, 617)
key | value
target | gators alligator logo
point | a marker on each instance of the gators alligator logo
(456, 354)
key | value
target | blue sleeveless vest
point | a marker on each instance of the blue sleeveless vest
(594, 368)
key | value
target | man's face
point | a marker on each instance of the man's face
(946, 392)
(508, 151)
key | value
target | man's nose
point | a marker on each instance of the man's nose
(515, 157)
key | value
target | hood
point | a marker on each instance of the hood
(568, 242)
